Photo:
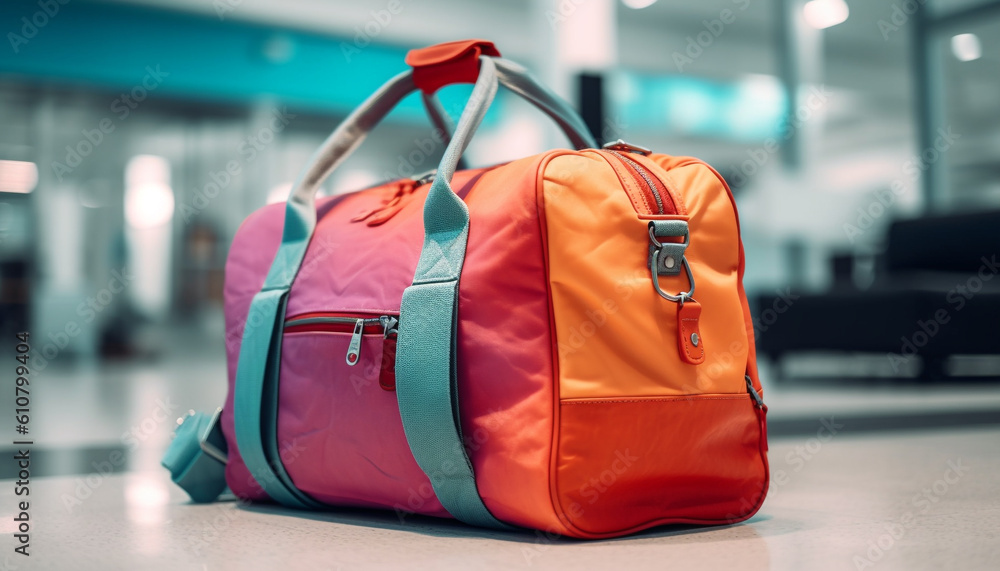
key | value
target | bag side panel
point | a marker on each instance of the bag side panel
(616, 336)
(643, 437)
(683, 171)
(505, 373)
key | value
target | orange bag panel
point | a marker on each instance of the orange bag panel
(647, 434)
(505, 374)
(628, 464)
(616, 336)
(683, 169)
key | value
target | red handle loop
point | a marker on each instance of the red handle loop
(451, 62)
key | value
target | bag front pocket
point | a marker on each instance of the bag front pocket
(359, 325)
(626, 464)
(339, 429)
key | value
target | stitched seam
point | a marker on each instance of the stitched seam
(670, 184)
(654, 400)
(552, 473)
(638, 189)
(628, 183)
(681, 209)
(684, 341)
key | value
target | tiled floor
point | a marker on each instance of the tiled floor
(911, 501)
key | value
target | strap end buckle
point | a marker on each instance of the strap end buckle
(196, 458)
(212, 440)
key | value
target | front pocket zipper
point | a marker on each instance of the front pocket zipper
(357, 325)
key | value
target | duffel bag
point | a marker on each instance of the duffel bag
(561, 342)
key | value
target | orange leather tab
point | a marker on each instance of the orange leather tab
(689, 341)
(762, 415)
(387, 372)
(451, 62)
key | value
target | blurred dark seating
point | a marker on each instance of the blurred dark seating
(936, 293)
(15, 296)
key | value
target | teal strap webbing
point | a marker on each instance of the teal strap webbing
(255, 401)
(428, 400)
(257, 371)
(426, 387)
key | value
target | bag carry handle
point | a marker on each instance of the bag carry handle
(349, 134)
(441, 121)
(256, 387)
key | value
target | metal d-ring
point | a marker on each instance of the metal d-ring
(680, 297)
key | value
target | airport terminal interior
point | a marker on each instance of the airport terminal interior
(860, 138)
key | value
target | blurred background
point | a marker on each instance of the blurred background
(861, 139)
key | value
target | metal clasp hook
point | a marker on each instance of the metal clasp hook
(663, 256)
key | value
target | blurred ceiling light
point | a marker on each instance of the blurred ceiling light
(966, 47)
(149, 200)
(822, 14)
(689, 108)
(350, 180)
(587, 39)
(278, 49)
(638, 4)
(18, 176)
(279, 193)
(757, 106)
(758, 86)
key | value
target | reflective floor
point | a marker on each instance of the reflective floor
(908, 480)
(903, 501)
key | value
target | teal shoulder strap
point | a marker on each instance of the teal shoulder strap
(426, 386)
(257, 371)
(256, 398)
(425, 352)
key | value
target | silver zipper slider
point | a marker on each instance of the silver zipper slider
(753, 392)
(425, 177)
(621, 145)
(389, 324)
(354, 349)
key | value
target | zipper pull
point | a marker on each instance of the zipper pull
(354, 349)
(424, 178)
(389, 324)
(403, 187)
(621, 145)
(393, 207)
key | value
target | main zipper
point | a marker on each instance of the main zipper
(387, 324)
(642, 172)
(620, 151)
